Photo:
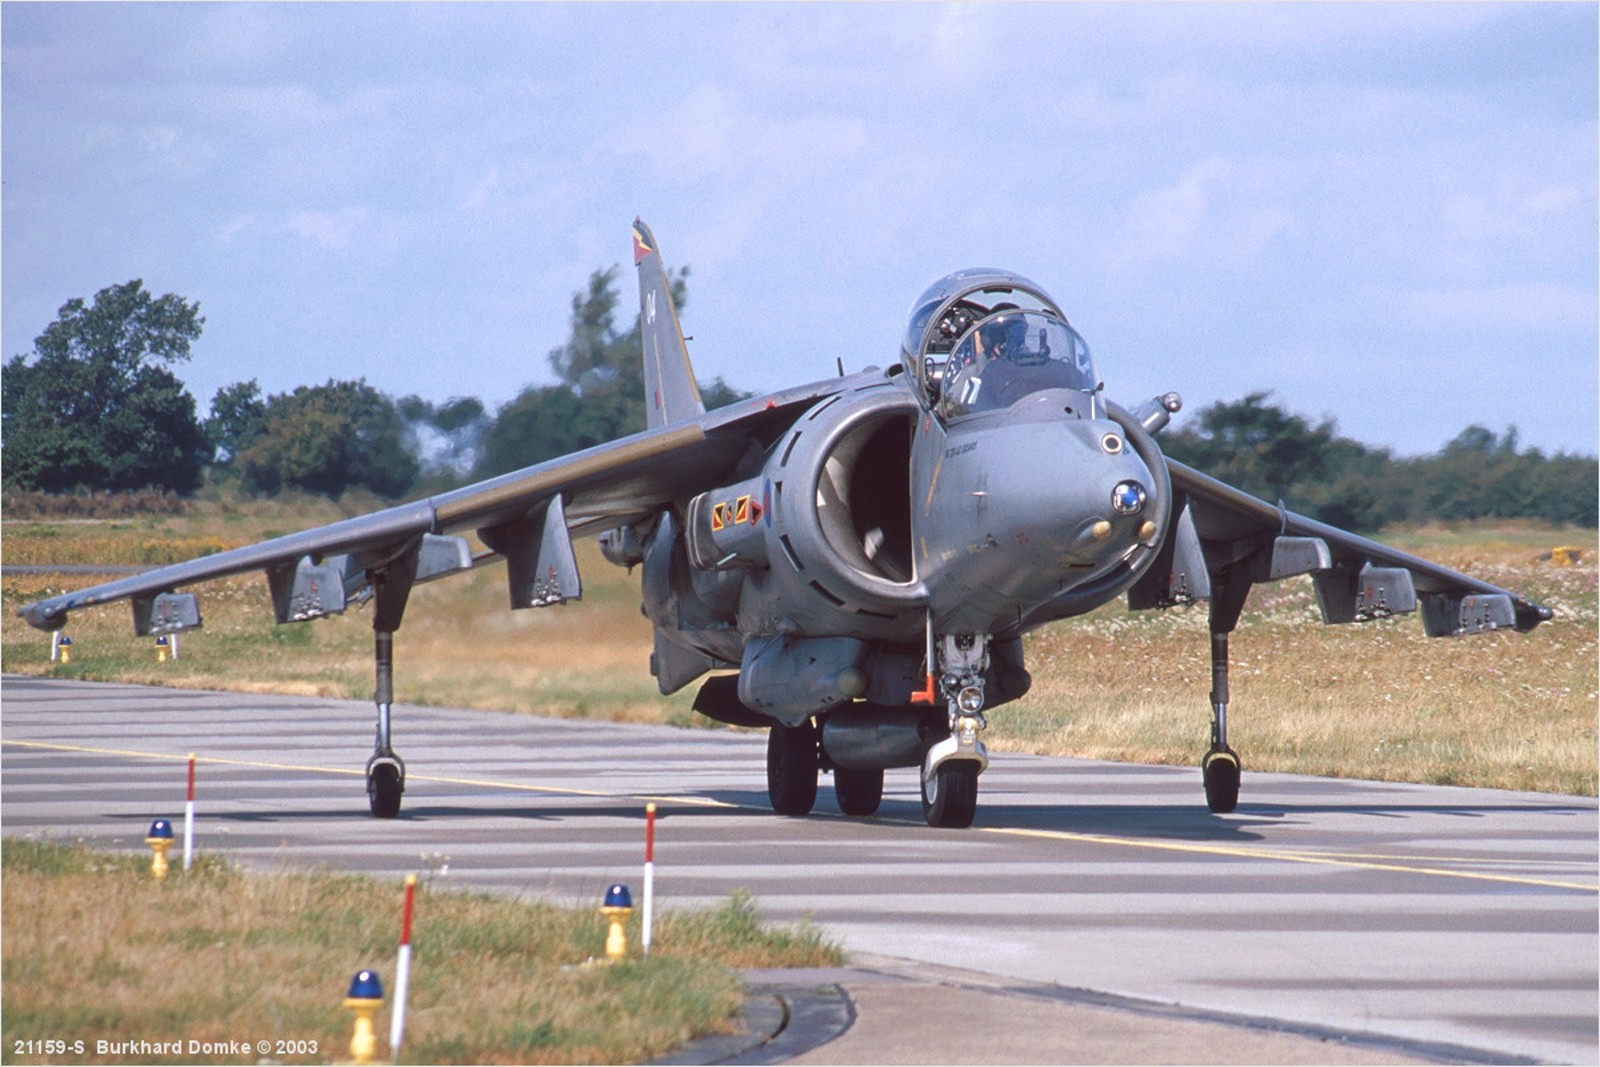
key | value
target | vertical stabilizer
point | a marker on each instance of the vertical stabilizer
(670, 392)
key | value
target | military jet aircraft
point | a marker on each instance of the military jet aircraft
(863, 553)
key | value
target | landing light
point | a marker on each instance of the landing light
(1128, 498)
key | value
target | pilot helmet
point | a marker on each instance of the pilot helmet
(1005, 336)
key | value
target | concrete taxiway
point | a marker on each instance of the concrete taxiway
(1093, 906)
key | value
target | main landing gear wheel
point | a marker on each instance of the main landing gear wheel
(385, 784)
(1221, 769)
(792, 768)
(858, 792)
(950, 797)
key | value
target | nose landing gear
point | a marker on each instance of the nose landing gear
(951, 767)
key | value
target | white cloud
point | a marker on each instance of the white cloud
(234, 227)
(1164, 222)
(1212, 213)
(331, 230)
(712, 132)
(1509, 212)
(159, 138)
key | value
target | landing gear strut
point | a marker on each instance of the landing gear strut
(386, 773)
(951, 767)
(1221, 767)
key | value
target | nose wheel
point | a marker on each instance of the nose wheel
(950, 795)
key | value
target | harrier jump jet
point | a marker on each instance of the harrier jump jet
(852, 564)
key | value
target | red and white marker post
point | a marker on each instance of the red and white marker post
(188, 820)
(402, 971)
(649, 873)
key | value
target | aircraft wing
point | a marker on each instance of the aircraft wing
(1244, 540)
(518, 515)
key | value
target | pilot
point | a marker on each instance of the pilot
(1015, 367)
(1005, 338)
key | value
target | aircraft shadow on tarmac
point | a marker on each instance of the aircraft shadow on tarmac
(1169, 822)
(1194, 822)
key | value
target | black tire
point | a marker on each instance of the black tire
(792, 768)
(384, 788)
(858, 792)
(1222, 772)
(950, 800)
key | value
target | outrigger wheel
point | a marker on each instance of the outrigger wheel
(385, 783)
(792, 766)
(1221, 769)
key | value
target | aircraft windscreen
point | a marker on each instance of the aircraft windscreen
(1009, 356)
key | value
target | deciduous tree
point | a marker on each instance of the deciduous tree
(600, 395)
(327, 439)
(97, 406)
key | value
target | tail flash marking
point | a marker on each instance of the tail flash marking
(671, 393)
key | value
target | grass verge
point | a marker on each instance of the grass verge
(95, 950)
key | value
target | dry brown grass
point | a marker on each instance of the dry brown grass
(1377, 700)
(96, 950)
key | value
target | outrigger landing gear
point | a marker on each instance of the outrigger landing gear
(1221, 767)
(386, 773)
(950, 769)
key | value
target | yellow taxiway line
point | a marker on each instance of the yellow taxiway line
(1397, 864)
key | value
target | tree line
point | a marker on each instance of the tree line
(97, 406)
(1279, 456)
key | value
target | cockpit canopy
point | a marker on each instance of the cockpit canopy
(979, 340)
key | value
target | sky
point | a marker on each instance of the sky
(1383, 214)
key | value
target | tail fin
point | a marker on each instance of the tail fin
(670, 392)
